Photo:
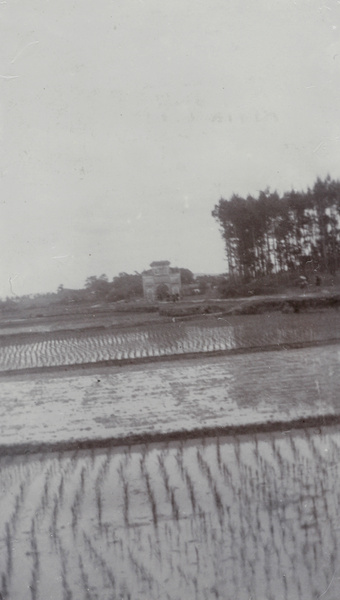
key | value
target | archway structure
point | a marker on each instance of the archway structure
(161, 274)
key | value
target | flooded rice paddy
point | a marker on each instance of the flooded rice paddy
(163, 339)
(113, 402)
(241, 517)
(252, 517)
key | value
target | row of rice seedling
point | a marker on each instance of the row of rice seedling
(252, 517)
(165, 339)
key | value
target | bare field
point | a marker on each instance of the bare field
(244, 517)
(166, 339)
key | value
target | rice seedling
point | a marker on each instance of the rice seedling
(151, 498)
(54, 349)
(33, 586)
(171, 521)
(8, 541)
(84, 580)
(99, 504)
(164, 473)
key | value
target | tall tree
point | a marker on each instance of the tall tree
(273, 233)
(98, 286)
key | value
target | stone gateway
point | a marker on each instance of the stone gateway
(161, 282)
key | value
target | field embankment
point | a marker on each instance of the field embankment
(84, 316)
(285, 303)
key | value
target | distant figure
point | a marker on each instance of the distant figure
(318, 280)
(303, 282)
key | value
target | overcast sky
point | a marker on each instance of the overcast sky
(124, 121)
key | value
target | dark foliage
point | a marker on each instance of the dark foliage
(187, 276)
(126, 287)
(296, 232)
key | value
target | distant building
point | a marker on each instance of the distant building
(161, 281)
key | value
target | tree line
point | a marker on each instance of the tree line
(123, 287)
(275, 233)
